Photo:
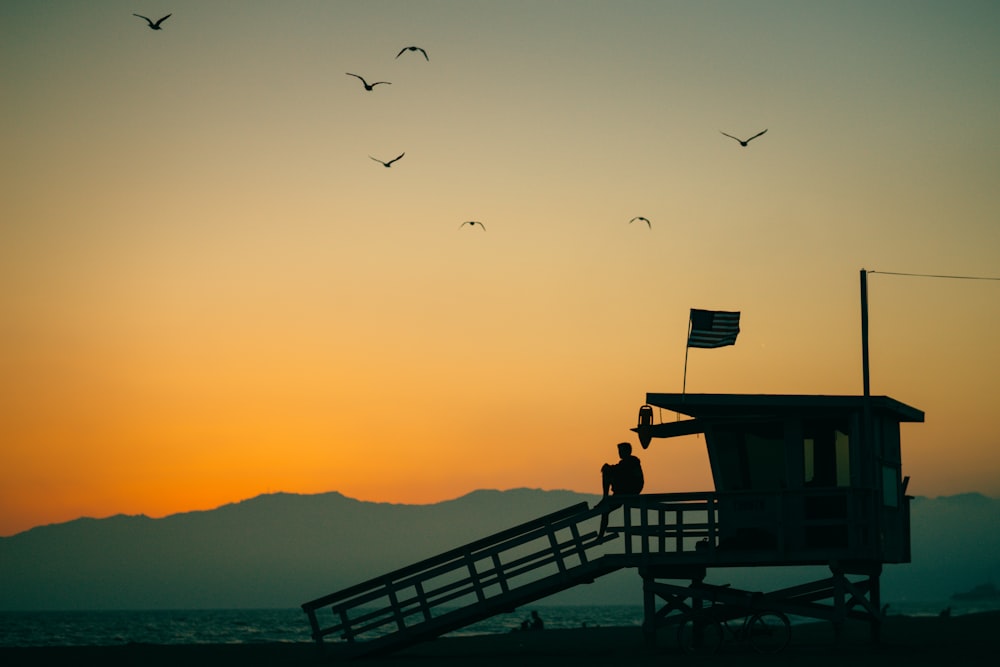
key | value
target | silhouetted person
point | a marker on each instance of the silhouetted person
(534, 623)
(620, 479)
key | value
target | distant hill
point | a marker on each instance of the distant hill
(279, 550)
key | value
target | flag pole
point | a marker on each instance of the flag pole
(865, 367)
(687, 348)
(684, 385)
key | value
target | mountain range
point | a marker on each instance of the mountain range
(280, 550)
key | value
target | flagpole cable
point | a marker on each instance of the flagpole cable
(864, 309)
(934, 275)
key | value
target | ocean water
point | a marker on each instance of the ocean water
(248, 626)
(244, 626)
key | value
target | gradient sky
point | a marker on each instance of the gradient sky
(208, 290)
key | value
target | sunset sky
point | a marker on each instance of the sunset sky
(209, 291)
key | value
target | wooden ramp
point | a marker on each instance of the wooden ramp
(462, 586)
(668, 538)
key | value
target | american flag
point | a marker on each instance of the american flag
(713, 328)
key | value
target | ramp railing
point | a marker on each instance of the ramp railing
(464, 585)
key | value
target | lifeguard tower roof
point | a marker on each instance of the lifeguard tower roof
(709, 406)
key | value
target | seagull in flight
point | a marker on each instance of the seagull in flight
(389, 163)
(412, 48)
(368, 86)
(742, 142)
(472, 222)
(639, 217)
(154, 26)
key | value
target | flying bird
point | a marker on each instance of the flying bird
(742, 142)
(389, 163)
(368, 86)
(412, 48)
(154, 26)
(472, 222)
(639, 217)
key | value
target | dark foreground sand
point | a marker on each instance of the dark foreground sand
(943, 642)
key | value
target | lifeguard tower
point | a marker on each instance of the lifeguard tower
(800, 480)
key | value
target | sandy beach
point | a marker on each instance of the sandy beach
(912, 641)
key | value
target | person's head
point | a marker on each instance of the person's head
(624, 449)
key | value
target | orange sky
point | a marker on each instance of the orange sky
(209, 291)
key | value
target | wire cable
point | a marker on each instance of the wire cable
(932, 275)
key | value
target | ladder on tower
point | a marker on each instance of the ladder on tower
(465, 585)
